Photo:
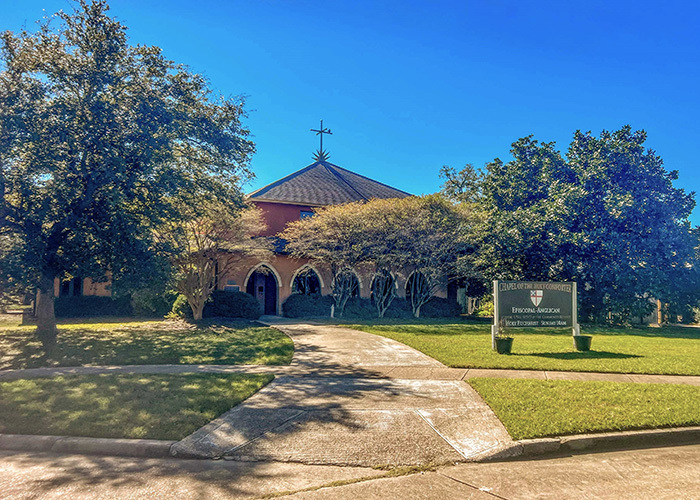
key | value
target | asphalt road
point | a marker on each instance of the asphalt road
(661, 473)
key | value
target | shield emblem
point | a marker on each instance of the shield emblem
(536, 297)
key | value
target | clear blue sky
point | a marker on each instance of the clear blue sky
(409, 86)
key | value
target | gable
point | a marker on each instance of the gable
(323, 183)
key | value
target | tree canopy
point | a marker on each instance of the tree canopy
(606, 215)
(426, 236)
(94, 135)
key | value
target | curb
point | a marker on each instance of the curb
(592, 443)
(143, 448)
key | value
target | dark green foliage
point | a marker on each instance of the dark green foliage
(437, 307)
(181, 308)
(149, 304)
(232, 305)
(86, 306)
(303, 306)
(606, 216)
(357, 308)
(97, 136)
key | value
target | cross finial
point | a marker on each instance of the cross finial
(321, 155)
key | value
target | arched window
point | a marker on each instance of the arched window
(346, 281)
(306, 282)
(417, 288)
(383, 285)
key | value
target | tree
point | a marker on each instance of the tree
(209, 240)
(94, 135)
(334, 237)
(606, 216)
(430, 236)
(423, 235)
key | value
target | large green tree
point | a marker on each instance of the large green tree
(606, 215)
(94, 134)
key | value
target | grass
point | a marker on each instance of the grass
(667, 350)
(121, 406)
(539, 408)
(98, 342)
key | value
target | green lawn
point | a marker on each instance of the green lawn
(121, 406)
(99, 342)
(539, 408)
(668, 350)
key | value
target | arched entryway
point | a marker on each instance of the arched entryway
(262, 285)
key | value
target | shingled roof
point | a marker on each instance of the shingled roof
(323, 183)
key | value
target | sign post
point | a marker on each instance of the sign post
(542, 304)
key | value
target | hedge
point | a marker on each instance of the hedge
(221, 304)
(302, 306)
(82, 306)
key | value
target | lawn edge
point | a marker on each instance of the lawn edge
(595, 442)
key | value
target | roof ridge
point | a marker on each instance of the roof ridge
(343, 179)
(267, 187)
(369, 179)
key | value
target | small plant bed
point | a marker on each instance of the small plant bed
(122, 406)
(668, 350)
(147, 342)
(542, 408)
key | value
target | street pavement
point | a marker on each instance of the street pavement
(648, 474)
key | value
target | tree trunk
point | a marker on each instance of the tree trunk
(197, 311)
(45, 315)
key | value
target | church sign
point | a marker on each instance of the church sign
(538, 304)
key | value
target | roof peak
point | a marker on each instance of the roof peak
(323, 183)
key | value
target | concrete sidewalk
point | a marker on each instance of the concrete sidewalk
(345, 410)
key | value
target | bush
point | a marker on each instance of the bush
(399, 309)
(232, 305)
(438, 307)
(181, 309)
(146, 302)
(357, 308)
(302, 306)
(221, 304)
(485, 309)
(83, 306)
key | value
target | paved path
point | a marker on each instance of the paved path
(344, 410)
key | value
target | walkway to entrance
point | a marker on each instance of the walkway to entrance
(337, 406)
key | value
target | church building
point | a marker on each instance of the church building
(295, 197)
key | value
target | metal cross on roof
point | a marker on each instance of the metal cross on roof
(321, 154)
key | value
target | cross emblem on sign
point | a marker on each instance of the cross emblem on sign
(536, 296)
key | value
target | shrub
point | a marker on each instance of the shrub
(438, 307)
(399, 308)
(357, 308)
(485, 308)
(83, 306)
(232, 305)
(181, 309)
(146, 302)
(302, 306)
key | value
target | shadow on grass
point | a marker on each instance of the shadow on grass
(154, 343)
(580, 355)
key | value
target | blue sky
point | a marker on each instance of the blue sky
(409, 86)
